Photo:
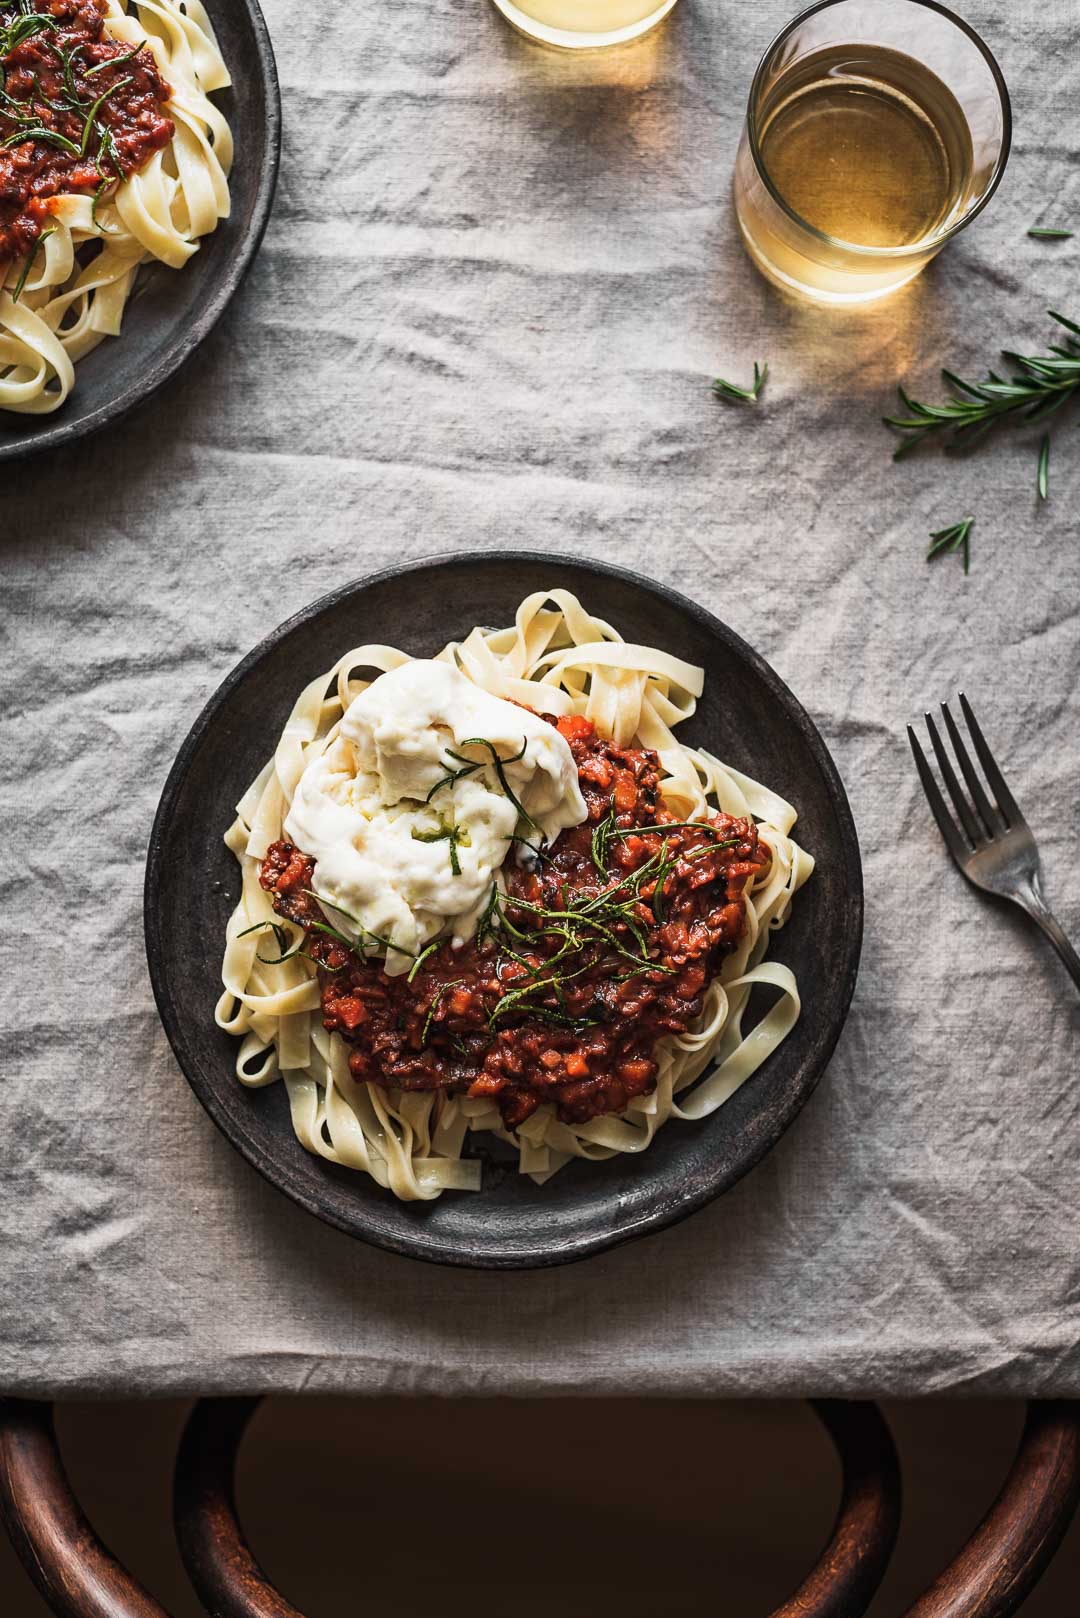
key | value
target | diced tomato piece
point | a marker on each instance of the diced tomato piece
(576, 728)
(350, 1011)
(625, 795)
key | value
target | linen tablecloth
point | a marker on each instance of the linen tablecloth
(494, 292)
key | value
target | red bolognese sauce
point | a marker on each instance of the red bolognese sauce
(602, 945)
(78, 111)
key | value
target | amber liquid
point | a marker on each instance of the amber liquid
(867, 145)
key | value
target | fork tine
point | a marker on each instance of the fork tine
(1006, 803)
(948, 775)
(991, 821)
(946, 824)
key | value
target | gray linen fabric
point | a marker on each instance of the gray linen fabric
(493, 294)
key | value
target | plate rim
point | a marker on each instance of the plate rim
(417, 1244)
(61, 432)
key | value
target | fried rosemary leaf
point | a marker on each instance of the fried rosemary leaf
(500, 770)
(436, 1002)
(601, 837)
(28, 263)
(422, 957)
(456, 836)
(51, 137)
(365, 932)
(93, 112)
(282, 940)
(115, 61)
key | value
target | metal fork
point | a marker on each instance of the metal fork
(992, 845)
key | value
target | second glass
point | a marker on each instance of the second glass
(875, 130)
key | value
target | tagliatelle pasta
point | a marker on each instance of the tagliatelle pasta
(70, 293)
(556, 659)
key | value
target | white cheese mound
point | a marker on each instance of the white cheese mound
(385, 856)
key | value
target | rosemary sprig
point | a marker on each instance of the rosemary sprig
(500, 770)
(115, 61)
(678, 825)
(92, 114)
(28, 263)
(16, 110)
(22, 27)
(577, 1024)
(51, 137)
(956, 537)
(106, 149)
(66, 59)
(99, 195)
(592, 920)
(736, 395)
(353, 948)
(537, 850)
(516, 999)
(607, 829)
(485, 924)
(1039, 385)
(470, 766)
(456, 836)
(648, 872)
(281, 938)
(601, 837)
(282, 956)
(422, 957)
(575, 919)
(39, 96)
(436, 1001)
(666, 867)
(281, 934)
(555, 944)
(365, 932)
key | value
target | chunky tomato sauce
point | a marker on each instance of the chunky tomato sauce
(605, 945)
(78, 111)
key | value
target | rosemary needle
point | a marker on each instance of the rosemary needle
(956, 537)
(28, 262)
(736, 395)
(1044, 466)
(1050, 233)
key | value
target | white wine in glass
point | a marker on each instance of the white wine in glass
(584, 24)
(876, 130)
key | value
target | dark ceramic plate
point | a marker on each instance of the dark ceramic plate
(171, 311)
(747, 716)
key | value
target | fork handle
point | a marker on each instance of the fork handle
(1030, 899)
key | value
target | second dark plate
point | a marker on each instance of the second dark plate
(171, 311)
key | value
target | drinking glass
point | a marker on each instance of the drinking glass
(584, 24)
(875, 131)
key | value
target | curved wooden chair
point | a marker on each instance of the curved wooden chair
(990, 1578)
